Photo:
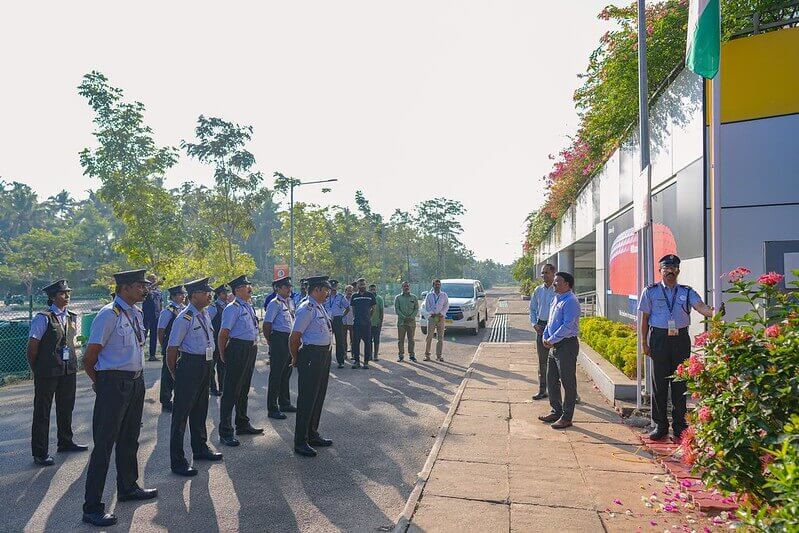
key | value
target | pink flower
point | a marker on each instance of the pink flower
(736, 274)
(770, 279)
(701, 339)
(695, 366)
(617, 501)
(705, 414)
(773, 331)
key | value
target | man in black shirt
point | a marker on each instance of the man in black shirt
(362, 304)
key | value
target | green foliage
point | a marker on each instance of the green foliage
(614, 341)
(745, 376)
(41, 254)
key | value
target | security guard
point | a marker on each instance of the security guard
(177, 297)
(363, 304)
(215, 312)
(238, 337)
(278, 321)
(113, 360)
(301, 296)
(190, 358)
(665, 316)
(312, 327)
(51, 354)
(152, 307)
(336, 306)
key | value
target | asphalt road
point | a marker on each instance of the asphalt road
(383, 423)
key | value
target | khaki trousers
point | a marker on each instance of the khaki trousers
(408, 329)
(435, 324)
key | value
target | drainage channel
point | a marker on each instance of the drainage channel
(499, 329)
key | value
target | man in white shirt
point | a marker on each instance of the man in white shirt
(436, 305)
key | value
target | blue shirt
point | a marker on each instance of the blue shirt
(278, 313)
(336, 304)
(239, 317)
(298, 298)
(217, 307)
(192, 331)
(39, 322)
(541, 302)
(362, 307)
(656, 299)
(151, 307)
(314, 324)
(564, 318)
(271, 297)
(173, 309)
(118, 329)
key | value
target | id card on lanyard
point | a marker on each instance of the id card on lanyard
(672, 324)
(209, 348)
(65, 353)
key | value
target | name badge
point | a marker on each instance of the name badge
(673, 331)
(65, 354)
(209, 353)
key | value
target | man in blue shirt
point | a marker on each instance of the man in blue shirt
(560, 336)
(299, 297)
(336, 306)
(312, 328)
(362, 305)
(540, 304)
(278, 320)
(665, 316)
(51, 354)
(151, 307)
(190, 357)
(177, 302)
(215, 312)
(238, 348)
(113, 361)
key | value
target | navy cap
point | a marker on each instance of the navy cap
(131, 276)
(198, 285)
(222, 288)
(56, 287)
(333, 283)
(669, 260)
(177, 289)
(285, 280)
(318, 281)
(239, 281)
(304, 281)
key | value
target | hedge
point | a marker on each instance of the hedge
(614, 341)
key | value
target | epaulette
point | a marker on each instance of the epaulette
(652, 285)
(686, 287)
(188, 315)
(172, 306)
(117, 309)
(72, 314)
(46, 313)
(236, 302)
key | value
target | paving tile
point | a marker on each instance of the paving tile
(535, 429)
(525, 518)
(476, 448)
(618, 457)
(481, 381)
(478, 425)
(478, 481)
(627, 487)
(436, 514)
(544, 484)
(539, 451)
(602, 433)
(486, 409)
(488, 395)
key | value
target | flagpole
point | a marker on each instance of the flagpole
(715, 187)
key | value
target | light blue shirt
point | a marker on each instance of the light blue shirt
(217, 307)
(172, 309)
(192, 331)
(39, 322)
(564, 318)
(336, 304)
(656, 299)
(239, 317)
(541, 303)
(314, 324)
(118, 329)
(298, 299)
(278, 313)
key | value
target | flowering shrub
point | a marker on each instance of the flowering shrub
(614, 341)
(745, 377)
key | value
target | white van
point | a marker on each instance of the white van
(467, 305)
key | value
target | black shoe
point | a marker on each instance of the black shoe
(44, 461)
(540, 396)
(365, 367)
(305, 450)
(659, 433)
(277, 415)
(153, 358)
(412, 358)
(72, 447)
(138, 494)
(166, 407)
(319, 441)
(289, 409)
(249, 430)
(100, 519)
(215, 392)
(551, 417)
(375, 358)
(356, 365)
(229, 440)
(208, 455)
(400, 359)
(341, 365)
(185, 470)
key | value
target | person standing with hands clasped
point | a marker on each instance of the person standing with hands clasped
(215, 312)
(190, 358)
(312, 328)
(665, 316)
(278, 321)
(406, 305)
(540, 304)
(362, 304)
(113, 361)
(560, 336)
(436, 304)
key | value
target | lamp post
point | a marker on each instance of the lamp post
(296, 183)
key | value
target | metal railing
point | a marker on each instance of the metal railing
(587, 303)
(771, 18)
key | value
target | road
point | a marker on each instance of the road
(383, 422)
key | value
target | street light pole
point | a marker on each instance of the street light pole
(296, 183)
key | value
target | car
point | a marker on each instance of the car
(467, 305)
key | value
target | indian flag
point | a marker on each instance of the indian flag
(704, 38)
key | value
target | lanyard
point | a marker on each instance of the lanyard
(435, 301)
(134, 324)
(251, 313)
(201, 318)
(670, 305)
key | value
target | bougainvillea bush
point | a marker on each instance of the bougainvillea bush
(744, 377)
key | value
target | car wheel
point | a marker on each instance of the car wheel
(424, 330)
(483, 322)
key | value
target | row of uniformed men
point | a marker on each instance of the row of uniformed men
(114, 361)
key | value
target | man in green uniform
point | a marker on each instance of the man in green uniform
(377, 320)
(406, 305)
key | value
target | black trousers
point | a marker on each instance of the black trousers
(376, 339)
(362, 333)
(277, 395)
(167, 383)
(543, 357)
(151, 329)
(192, 376)
(341, 339)
(116, 424)
(44, 390)
(239, 366)
(313, 373)
(562, 369)
(217, 379)
(667, 353)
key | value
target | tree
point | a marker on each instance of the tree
(61, 205)
(436, 218)
(41, 254)
(312, 253)
(402, 227)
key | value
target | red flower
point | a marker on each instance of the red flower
(705, 414)
(773, 331)
(736, 274)
(701, 339)
(695, 366)
(770, 279)
(739, 336)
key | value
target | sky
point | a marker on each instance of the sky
(404, 101)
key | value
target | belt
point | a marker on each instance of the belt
(563, 341)
(193, 354)
(281, 333)
(541, 323)
(242, 341)
(123, 374)
(316, 346)
(666, 330)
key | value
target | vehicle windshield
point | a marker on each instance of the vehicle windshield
(458, 290)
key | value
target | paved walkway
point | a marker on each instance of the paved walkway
(496, 467)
